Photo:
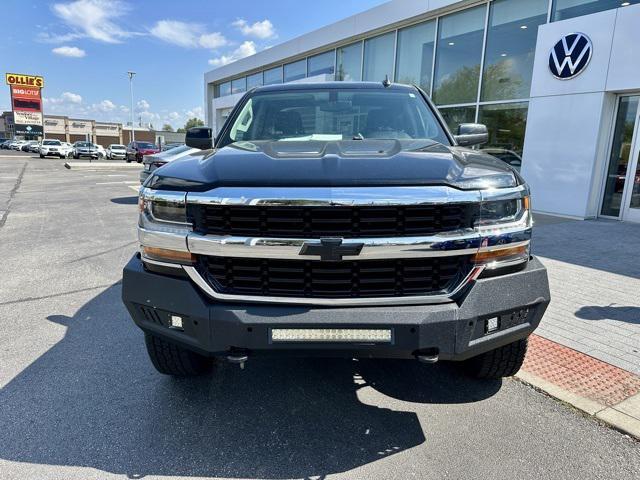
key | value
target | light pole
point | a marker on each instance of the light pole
(131, 74)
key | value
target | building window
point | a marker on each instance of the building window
(349, 66)
(414, 58)
(454, 116)
(223, 89)
(458, 55)
(239, 85)
(273, 76)
(254, 80)
(506, 124)
(563, 9)
(295, 71)
(511, 47)
(378, 57)
(322, 64)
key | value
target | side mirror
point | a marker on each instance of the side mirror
(471, 134)
(199, 137)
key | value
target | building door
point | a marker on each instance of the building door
(621, 197)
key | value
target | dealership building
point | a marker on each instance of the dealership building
(557, 82)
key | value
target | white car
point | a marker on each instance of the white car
(55, 148)
(116, 152)
(17, 145)
(102, 153)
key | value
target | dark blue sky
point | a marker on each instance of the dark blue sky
(83, 48)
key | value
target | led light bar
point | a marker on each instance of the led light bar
(330, 335)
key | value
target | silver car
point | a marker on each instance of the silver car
(157, 160)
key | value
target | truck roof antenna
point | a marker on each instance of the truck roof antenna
(386, 82)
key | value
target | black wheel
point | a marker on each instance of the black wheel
(501, 362)
(76, 157)
(41, 156)
(61, 155)
(170, 359)
(99, 156)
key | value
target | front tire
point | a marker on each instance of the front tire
(502, 362)
(170, 359)
(41, 156)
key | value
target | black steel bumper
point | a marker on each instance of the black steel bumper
(454, 331)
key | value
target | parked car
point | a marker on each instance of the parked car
(17, 145)
(55, 148)
(5, 144)
(286, 236)
(102, 153)
(115, 151)
(157, 160)
(169, 146)
(29, 145)
(136, 150)
(84, 149)
(34, 146)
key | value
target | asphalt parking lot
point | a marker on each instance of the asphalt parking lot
(80, 400)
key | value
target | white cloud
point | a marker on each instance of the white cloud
(246, 49)
(173, 116)
(197, 112)
(67, 51)
(65, 98)
(94, 19)
(187, 35)
(262, 30)
(142, 105)
(104, 106)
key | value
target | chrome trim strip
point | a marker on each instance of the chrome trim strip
(158, 263)
(332, 196)
(461, 242)
(495, 194)
(168, 240)
(333, 302)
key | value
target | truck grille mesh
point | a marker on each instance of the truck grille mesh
(325, 279)
(333, 221)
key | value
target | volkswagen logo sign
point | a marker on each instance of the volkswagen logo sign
(570, 56)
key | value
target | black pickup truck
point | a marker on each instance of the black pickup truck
(336, 219)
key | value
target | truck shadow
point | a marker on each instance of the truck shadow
(94, 400)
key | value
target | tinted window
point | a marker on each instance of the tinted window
(333, 115)
(145, 145)
(563, 9)
(295, 71)
(350, 63)
(460, 38)
(321, 64)
(378, 57)
(506, 124)
(511, 45)
(273, 76)
(51, 142)
(414, 61)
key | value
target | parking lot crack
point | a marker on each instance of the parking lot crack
(12, 193)
(60, 294)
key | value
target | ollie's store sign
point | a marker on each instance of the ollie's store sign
(26, 102)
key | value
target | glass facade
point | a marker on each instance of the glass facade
(563, 9)
(349, 63)
(273, 76)
(378, 58)
(239, 85)
(454, 116)
(295, 71)
(254, 80)
(511, 46)
(458, 56)
(414, 62)
(506, 123)
(224, 89)
(321, 64)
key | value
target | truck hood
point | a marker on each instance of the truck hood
(335, 164)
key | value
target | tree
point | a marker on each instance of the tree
(167, 128)
(193, 122)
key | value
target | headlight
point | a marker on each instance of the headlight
(502, 211)
(167, 207)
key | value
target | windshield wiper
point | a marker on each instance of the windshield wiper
(358, 136)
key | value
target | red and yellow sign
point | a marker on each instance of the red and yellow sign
(24, 80)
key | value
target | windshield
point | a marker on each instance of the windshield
(84, 144)
(332, 115)
(51, 142)
(146, 145)
(117, 147)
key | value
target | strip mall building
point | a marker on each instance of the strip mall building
(557, 82)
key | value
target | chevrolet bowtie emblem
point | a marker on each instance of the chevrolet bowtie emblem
(331, 249)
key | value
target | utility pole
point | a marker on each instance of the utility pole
(131, 74)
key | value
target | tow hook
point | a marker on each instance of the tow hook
(428, 356)
(238, 357)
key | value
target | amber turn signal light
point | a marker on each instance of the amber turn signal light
(164, 254)
(501, 254)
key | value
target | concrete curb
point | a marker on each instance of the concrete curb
(102, 166)
(624, 416)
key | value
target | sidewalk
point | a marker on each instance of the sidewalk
(586, 351)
